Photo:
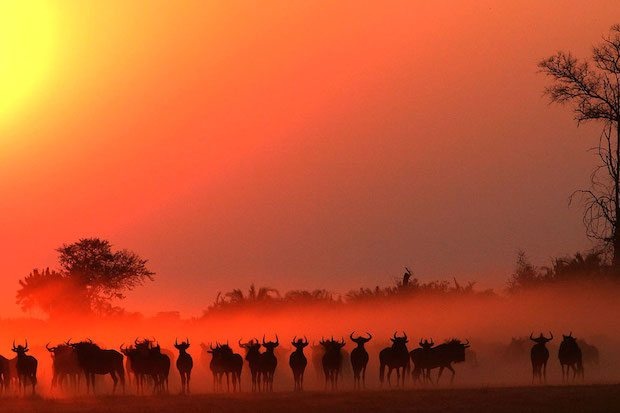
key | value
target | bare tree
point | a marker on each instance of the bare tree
(592, 88)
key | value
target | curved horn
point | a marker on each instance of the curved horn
(187, 340)
(136, 341)
(369, 336)
(467, 342)
(420, 343)
(395, 334)
(26, 346)
(263, 339)
(433, 341)
(532, 336)
(121, 347)
(14, 348)
(211, 346)
(277, 339)
(51, 350)
(239, 342)
(550, 335)
(342, 340)
(306, 339)
(176, 341)
(405, 336)
(90, 341)
(569, 334)
(351, 336)
(68, 342)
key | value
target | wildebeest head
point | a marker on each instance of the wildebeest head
(271, 345)
(569, 339)
(426, 345)
(299, 344)
(183, 346)
(399, 342)
(456, 349)
(20, 350)
(541, 339)
(359, 340)
(332, 345)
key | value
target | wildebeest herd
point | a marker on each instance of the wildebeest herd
(147, 365)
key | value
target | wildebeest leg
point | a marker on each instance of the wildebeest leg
(114, 380)
(189, 376)
(364, 376)
(449, 367)
(440, 372)
(545, 372)
(389, 374)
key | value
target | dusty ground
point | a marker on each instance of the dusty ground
(593, 398)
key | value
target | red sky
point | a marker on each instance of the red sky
(298, 144)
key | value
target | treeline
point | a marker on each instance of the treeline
(589, 268)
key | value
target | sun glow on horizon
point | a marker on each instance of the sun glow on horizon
(26, 52)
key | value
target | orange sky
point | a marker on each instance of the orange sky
(297, 144)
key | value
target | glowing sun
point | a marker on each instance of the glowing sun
(26, 51)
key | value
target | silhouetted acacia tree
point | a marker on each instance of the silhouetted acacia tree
(592, 88)
(91, 275)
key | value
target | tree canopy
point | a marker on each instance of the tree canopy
(91, 276)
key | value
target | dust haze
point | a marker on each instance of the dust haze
(488, 322)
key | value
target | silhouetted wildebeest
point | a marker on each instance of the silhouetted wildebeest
(64, 365)
(539, 356)
(225, 362)
(252, 355)
(395, 357)
(442, 356)
(268, 362)
(160, 372)
(94, 360)
(26, 367)
(332, 361)
(590, 353)
(184, 364)
(4, 372)
(516, 351)
(418, 359)
(233, 365)
(570, 357)
(298, 362)
(359, 360)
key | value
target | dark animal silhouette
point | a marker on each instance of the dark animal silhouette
(252, 355)
(539, 356)
(4, 374)
(64, 365)
(395, 357)
(184, 364)
(267, 363)
(26, 367)
(298, 362)
(160, 369)
(427, 358)
(359, 360)
(332, 361)
(93, 360)
(225, 363)
(516, 351)
(570, 357)
(418, 357)
(591, 355)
